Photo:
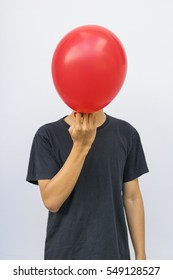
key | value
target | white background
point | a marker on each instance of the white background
(29, 32)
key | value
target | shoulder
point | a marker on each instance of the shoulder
(50, 127)
(122, 126)
(51, 131)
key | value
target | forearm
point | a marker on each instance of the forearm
(61, 185)
(136, 222)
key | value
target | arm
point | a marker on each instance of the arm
(54, 192)
(134, 209)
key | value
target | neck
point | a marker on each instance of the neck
(99, 115)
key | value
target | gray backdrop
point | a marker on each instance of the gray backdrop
(30, 31)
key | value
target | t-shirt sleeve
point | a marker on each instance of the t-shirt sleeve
(136, 164)
(42, 161)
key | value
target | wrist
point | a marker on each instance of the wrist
(81, 149)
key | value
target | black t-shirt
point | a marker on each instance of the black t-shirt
(91, 223)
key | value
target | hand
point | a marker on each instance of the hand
(83, 131)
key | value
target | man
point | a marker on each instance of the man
(87, 167)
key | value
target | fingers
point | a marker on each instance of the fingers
(78, 119)
(85, 120)
(92, 120)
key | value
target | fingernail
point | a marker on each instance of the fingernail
(75, 114)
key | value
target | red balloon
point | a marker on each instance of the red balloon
(88, 68)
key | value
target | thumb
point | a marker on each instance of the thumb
(71, 129)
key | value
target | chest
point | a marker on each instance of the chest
(108, 150)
